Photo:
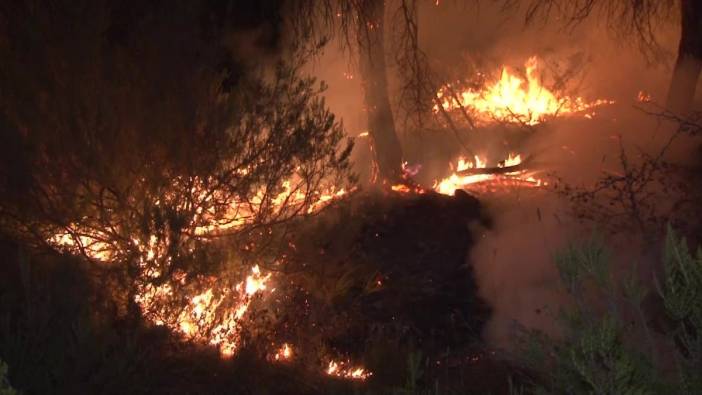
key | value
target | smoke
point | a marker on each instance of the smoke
(514, 260)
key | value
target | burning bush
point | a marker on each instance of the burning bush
(148, 151)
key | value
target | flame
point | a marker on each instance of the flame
(96, 244)
(644, 97)
(89, 242)
(284, 353)
(511, 160)
(401, 188)
(214, 311)
(206, 318)
(404, 188)
(340, 369)
(291, 197)
(450, 184)
(511, 98)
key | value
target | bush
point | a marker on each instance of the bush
(151, 146)
(613, 341)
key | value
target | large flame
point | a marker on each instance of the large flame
(511, 98)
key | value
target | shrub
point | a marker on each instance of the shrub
(608, 343)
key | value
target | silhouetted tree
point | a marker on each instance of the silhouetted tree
(689, 61)
(381, 124)
(360, 27)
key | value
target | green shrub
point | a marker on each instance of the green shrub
(608, 344)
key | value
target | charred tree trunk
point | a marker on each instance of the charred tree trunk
(385, 145)
(689, 63)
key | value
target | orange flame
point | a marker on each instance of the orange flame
(340, 369)
(513, 99)
(201, 319)
(644, 97)
(450, 184)
(284, 353)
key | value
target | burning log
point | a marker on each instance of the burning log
(503, 169)
(469, 174)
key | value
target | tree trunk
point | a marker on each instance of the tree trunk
(689, 63)
(385, 145)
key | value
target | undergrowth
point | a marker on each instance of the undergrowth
(622, 336)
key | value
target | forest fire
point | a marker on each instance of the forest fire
(215, 311)
(350, 197)
(515, 99)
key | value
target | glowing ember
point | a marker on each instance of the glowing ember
(644, 97)
(513, 99)
(340, 369)
(285, 353)
(404, 188)
(457, 180)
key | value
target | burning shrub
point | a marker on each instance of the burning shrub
(154, 152)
